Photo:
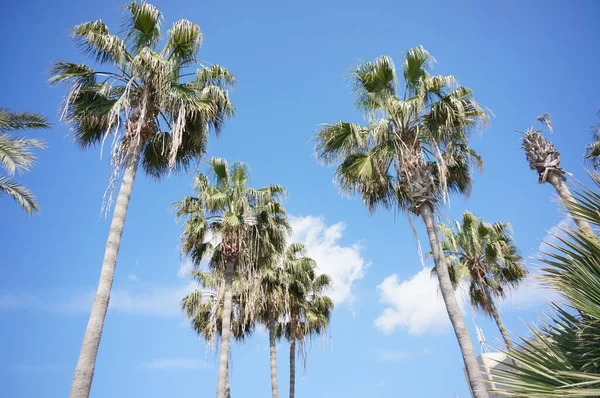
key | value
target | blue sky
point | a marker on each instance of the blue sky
(291, 60)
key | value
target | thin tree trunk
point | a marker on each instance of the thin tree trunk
(84, 372)
(225, 332)
(474, 374)
(273, 354)
(496, 315)
(566, 197)
(292, 367)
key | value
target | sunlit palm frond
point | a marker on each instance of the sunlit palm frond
(563, 357)
(13, 121)
(23, 196)
(150, 99)
(94, 39)
(142, 25)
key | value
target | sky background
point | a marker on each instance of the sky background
(389, 334)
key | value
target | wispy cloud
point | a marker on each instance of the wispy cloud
(415, 305)
(533, 293)
(139, 300)
(401, 355)
(555, 232)
(173, 364)
(343, 263)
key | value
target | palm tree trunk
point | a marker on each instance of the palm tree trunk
(292, 367)
(228, 388)
(474, 374)
(496, 315)
(566, 197)
(273, 354)
(225, 332)
(84, 372)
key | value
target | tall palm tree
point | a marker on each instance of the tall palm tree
(247, 224)
(410, 155)
(592, 151)
(562, 359)
(309, 309)
(155, 106)
(488, 258)
(204, 309)
(545, 159)
(16, 155)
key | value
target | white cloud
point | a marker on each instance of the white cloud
(401, 355)
(555, 232)
(344, 264)
(532, 293)
(154, 301)
(132, 277)
(173, 364)
(186, 268)
(415, 305)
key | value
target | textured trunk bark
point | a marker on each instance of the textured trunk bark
(474, 374)
(566, 197)
(292, 367)
(273, 354)
(84, 372)
(228, 388)
(225, 332)
(496, 316)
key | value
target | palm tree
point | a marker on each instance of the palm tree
(16, 155)
(563, 357)
(273, 305)
(309, 309)
(246, 223)
(592, 151)
(410, 155)
(153, 107)
(545, 159)
(487, 257)
(204, 309)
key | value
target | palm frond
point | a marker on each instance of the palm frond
(13, 121)
(183, 41)
(94, 39)
(563, 357)
(23, 196)
(16, 154)
(142, 26)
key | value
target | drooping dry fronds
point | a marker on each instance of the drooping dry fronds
(541, 153)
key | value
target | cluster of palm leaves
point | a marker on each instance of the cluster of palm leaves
(562, 358)
(255, 277)
(487, 257)
(16, 155)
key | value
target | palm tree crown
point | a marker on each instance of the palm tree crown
(414, 148)
(541, 153)
(166, 107)
(485, 255)
(204, 307)
(16, 155)
(592, 151)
